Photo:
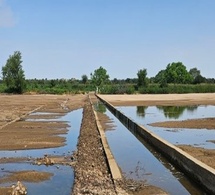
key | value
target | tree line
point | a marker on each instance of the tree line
(175, 78)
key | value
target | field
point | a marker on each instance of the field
(14, 132)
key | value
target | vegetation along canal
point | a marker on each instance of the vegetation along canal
(139, 161)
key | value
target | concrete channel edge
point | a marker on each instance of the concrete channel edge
(195, 169)
(113, 166)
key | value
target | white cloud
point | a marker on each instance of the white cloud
(6, 15)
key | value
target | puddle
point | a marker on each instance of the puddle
(63, 177)
(74, 121)
(139, 161)
(60, 182)
(195, 137)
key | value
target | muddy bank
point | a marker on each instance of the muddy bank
(202, 123)
(92, 175)
(19, 134)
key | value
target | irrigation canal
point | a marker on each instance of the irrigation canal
(139, 161)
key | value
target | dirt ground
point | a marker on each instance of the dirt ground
(161, 99)
(91, 171)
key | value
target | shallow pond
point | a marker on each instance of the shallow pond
(139, 161)
(73, 119)
(63, 177)
(197, 137)
(60, 183)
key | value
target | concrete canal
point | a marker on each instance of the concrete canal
(139, 161)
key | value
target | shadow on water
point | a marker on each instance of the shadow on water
(139, 161)
(63, 177)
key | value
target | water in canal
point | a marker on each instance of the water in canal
(197, 137)
(139, 161)
(62, 180)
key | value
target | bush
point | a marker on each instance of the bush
(177, 88)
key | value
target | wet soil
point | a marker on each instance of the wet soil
(26, 176)
(202, 123)
(91, 171)
(18, 134)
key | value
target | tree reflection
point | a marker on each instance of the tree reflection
(192, 108)
(100, 107)
(141, 110)
(175, 111)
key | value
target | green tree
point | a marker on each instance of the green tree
(13, 74)
(194, 72)
(99, 78)
(161, 78)
(177, 73)
(199, 79)
(84, 78)
(196, 75)
(142, 80)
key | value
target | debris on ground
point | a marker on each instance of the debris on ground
(19, 189)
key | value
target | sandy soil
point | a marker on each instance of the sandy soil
(161, 99)
(202, 123)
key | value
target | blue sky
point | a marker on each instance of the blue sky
(69, 38)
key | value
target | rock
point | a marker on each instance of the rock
(19, 189)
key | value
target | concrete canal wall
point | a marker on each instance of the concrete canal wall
(195, 169)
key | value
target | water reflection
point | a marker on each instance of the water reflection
(171, 112)
(141, 111)
(175, 111)
(100, 107)
(194, 137)
(139, 161)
